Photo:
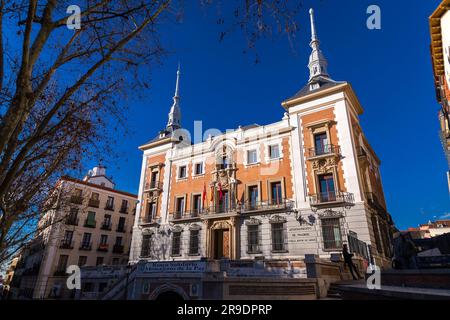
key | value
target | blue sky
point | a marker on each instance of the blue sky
(390, 70)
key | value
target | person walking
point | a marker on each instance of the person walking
(349, 262)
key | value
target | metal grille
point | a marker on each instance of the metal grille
(176, 243)
(194, 242)
(253, 238)
(331, 231)
(278, 237)
(146, 245)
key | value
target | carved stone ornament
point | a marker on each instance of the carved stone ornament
(148, 232)
(195, 226)
(277, 219)
(177, 229)
(221, 225)
(329, 213)
(324, 165)
(253, 222)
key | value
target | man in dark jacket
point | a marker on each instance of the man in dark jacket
(348, 261)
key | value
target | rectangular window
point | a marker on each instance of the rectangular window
(194, 242)
(331, 231)
(252, 157)
(180, 205)
(95, 196)
(99, 261)
(86, 242)
(326, 188)
(103, 239)
(151, 210)
(223, 203)
(196, 203)
(77, 192)
(146, 245)
(154, 179)
(253, 197)
(82, 260)
(90, 220)
(274, 151)
(199, 168)
(278, 237)
(253, 238)
(121, 225)
(276, 195)
(68, 236)
(182, 172)
(321, 145)
(124, 206)
(118, 241)
(110, 203)
(62, 263)
(176, 243)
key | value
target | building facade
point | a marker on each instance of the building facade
(90, 226)
(275, 195)
(440, 54)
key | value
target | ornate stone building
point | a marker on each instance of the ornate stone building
(274, 196)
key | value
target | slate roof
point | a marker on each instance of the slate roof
(324, 83)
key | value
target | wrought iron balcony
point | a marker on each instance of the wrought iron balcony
(152, 185)
(148, 220)
(66, 244)
(331, 199)
(106, 226)
(86, 246)
(121, 228)
(124, 209)
(273, 204)
(76, 199)
(118, 248)
(95, 203)
(323, 151)
(90, 223)
(72, 221)
(103, 247)
(109, 206)
(185, 215)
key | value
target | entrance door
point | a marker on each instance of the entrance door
(221, 243)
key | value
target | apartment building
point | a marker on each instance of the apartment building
(91, 226)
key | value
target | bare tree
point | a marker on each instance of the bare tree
(59, 87)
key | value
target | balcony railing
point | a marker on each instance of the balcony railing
(147, 220)
(324, 199)
(121, 228)
(90, 223)
(187, 214)
(273, 204)
(66, 244)
(123, 209)
(72, 221)
(95, 203)
(118, 248)
(86, 246)
(106, 226)
(109, 206)
(76, 199)
(152, 185)
(102, 247)
(325, 150)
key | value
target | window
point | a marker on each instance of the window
(62, 263)
(180, 205)
(68, 236)
(198, 168)
(90, 220)
(99, 261)
(223, 202)
(331, 231)
(182, 172)
(278, 237)
(251, 157)
(176, 243)
(321, 145)
(95, 196)
(118, 241)
(107, 222)
(121, 225)
(82, 260)
(154, 179)
(110, 203)
(86, 242)
(274, 151)
(146, 245)
(276, 194)
(124, 206)
(77, 192)
(103, 239)
(196, 203)
(194, 242)
(253, 196)
(253, 238)
(326, 188)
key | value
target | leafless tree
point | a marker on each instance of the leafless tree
(59, 87)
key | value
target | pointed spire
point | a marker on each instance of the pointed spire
(174, 121)
(317, 62)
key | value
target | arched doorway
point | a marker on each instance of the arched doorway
(169, 296)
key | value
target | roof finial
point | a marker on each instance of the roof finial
(317, 62)
(174, 121)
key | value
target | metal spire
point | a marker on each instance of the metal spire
(174, 121)
(317, 62)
